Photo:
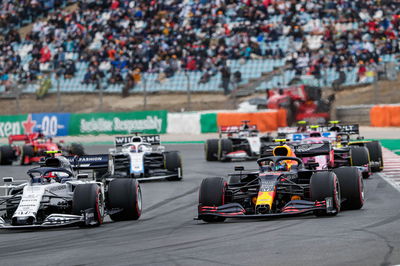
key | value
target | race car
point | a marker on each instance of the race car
(321, 151)
(339, 135)
(142, 158)
(31, 148)
(57, 196)
(243, 142)
(343, 133)
(282, 186)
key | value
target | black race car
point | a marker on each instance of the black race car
(281, 187)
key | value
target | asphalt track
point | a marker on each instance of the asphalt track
(166, 234)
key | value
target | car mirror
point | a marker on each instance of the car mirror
(8, 179)
(82, 176)
(239, 168)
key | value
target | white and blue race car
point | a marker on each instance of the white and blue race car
(143, 158)
(55, 195)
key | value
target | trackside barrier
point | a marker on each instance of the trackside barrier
(149, 122)
(265, 121)
(184, 123)
(385, 116)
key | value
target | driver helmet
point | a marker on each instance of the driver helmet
(282, 166)
(51, 177)
(132, 148)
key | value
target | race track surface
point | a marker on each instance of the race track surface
(166, 234)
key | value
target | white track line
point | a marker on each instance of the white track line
(391, 168)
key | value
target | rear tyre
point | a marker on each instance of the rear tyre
(212, 193)
(173, 163)
(211, 149)
(6, 155)
(359, 157)
(224, 147)
(88, 196)
(125, 194)
(324, 185)
(351, 187)
(77, 149)
(26, 151)
(375, 154)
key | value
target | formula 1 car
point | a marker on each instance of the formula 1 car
(320, 150)
(31, 148)
(242, 142)
(142, 158)
(342, 132)
(56, 196)
(339, 136)
(281, 187)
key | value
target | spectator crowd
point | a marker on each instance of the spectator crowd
(120, 39)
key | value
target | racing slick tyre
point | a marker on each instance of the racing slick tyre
(6, 155)
(375, 155)
(26, 151)
(211, 149)
(212, 193)
(351, 187)
(224, 147)
(125, 194)
(76, 149)
(322, 186)
(173, 163)
(88, 196)
(359, 156)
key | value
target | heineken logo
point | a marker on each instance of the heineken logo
(116, 124)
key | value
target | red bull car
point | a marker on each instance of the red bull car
(282, 186)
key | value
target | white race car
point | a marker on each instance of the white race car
(242, 143)
(56, 196)
(142, 158)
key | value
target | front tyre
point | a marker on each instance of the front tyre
(173, 163)
(211, 150)
(351, 187)
(325, 185)
(212, 193)
(375, 153)
(125, 194)
(89, 196)
(26, 151)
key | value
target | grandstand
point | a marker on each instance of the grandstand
(174, 43)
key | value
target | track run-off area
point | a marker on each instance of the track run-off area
(167, 234)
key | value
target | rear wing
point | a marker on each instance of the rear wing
(314, 149)
(300, 150)
(151, 139)
(235, 129)
(351, 129)
(89, 162)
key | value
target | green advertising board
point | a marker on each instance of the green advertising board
(14, 124)
(208, 123)
(150, 122)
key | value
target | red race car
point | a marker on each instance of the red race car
(31, 148)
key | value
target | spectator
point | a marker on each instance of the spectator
(225, 78)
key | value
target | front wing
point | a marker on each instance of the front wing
(292, 208)
(55, 220)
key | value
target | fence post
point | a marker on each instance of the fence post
(100, 87)
(58, 93)
(144, 93)
(189, 95)
(376, 87)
